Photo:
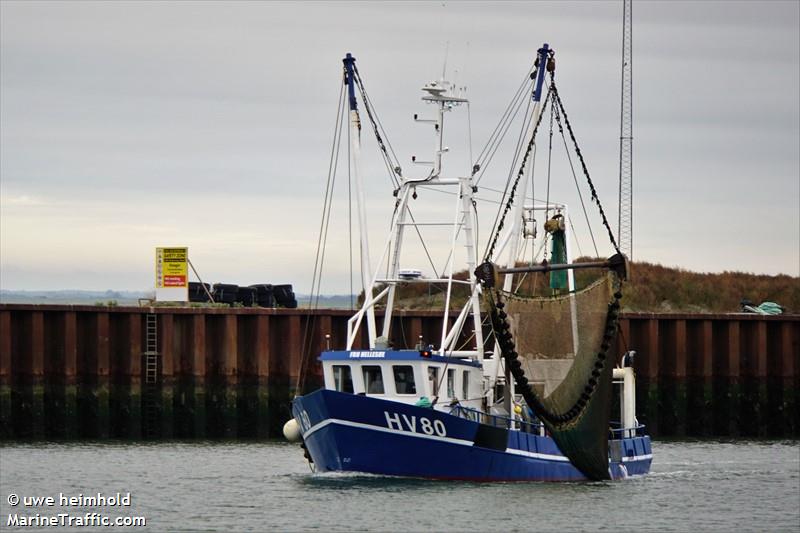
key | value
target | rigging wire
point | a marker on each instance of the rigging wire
(500, 124)
(522, 254)
(393, 167)
(525, 241)
(575, 179)
(450, 253)
(498, 227)
(319, 259)
(595, 198)
(385, 135)
(476, 198)
(463, 344)
(483, 165)
(549, 163)
(537, 252)
(526, 122)
(498, 191)
(520, 140)
(575, 237)
(421, 240)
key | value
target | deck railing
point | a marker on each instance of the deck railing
(498, 421)
(616, 431)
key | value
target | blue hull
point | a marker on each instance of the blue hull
(346, 432)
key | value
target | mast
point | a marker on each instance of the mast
(355, 158)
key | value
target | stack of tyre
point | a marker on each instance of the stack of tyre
(199, 292)
(284, 296)
(259, 295)
(225, 293)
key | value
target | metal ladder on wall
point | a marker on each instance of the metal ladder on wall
(151, 350)
(150, 394)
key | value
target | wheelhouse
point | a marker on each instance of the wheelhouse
(405, 376)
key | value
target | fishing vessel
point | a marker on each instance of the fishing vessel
(509, 386)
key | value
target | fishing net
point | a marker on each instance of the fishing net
(558, 338)
(556, 348)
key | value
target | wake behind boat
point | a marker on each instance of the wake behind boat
(518, 382)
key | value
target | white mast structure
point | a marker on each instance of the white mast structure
(441, 93)
(355, 165)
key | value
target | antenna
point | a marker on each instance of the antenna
(446, 53)
(625, 228)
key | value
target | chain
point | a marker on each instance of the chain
(511, 195)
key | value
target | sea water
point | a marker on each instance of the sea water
(268, 486)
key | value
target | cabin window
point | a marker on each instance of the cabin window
(500, 391)
(451, 382)
(373, 379)
(404, 379)
(342, 378)
(465, 385)
(433, 380)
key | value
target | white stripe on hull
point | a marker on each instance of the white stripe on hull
(449, 440)
(637, 458)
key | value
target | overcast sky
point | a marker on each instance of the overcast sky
(125, 126)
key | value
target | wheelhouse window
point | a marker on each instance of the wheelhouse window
(342, 378)
(373, 379)
(404, 379)
(451, 382)
(433, 380)
(465, 385)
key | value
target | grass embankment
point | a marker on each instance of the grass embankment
(660, 289)
(652, 288)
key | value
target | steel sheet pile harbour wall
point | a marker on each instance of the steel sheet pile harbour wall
(716, 375)
(80, 372)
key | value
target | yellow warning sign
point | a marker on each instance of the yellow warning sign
(172, 268)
